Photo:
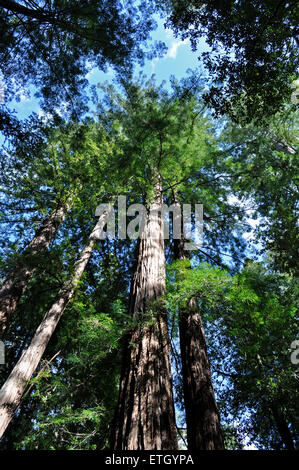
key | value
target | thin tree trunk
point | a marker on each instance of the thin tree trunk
(202, 416)
(17, 281)
(145, 417)
(14, 387)
(278, 416)
(282, 426)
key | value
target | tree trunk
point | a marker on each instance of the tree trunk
(14, 387)
(17, 281)
(145, 417)
(277, 414)
(202, 416)
(282, 426)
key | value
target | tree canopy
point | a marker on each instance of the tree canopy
(253, 60)
(116, 335)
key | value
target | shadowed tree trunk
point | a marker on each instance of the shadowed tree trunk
(282, 426)
(145, 418)
(14, 387)
(17, 281)
(202, 416)
(278, 415)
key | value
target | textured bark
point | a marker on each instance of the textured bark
(14, 387)
(17, 281)
(202, 416)
(145, 417)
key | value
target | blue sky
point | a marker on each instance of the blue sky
(178, 58)
(176, 61)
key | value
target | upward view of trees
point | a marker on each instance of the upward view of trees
(254, 43)
(117, 335)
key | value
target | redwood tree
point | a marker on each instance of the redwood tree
(145, 417)
(57, 168)
(12, 391)
(170, 145)
(202, 415)
(17, 281)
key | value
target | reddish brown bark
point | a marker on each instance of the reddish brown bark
(202, 416)
(145, 417)
(12, 391)
(17, 281)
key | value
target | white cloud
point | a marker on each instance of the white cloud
(173, 50)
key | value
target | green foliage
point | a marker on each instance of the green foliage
(53, 45)
(207, 282)
(170, 134)
(144, 131)
(267, 161)
(250, 321)
(253, 58)
(73, 396)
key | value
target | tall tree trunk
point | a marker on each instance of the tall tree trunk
(145, 417)
(202, 416)
(17, 281)
(14, 387)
